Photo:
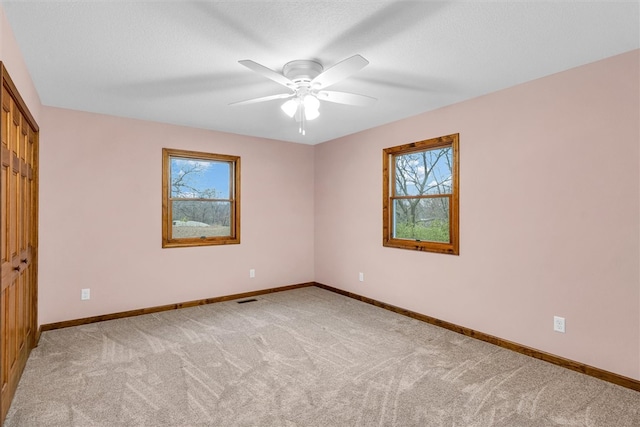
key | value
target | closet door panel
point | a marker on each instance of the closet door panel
(18, 244)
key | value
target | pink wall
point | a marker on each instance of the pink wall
(549, 216)
(100, 218)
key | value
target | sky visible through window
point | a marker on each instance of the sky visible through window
(412, 170)
(200, 178)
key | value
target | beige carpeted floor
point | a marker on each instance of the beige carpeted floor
(306, 357)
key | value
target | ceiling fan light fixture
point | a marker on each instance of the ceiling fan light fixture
(290, 107)
(311, 107)
(310, 113)
(311, 102)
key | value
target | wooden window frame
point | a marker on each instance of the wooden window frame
(234, 198)
(388, 196)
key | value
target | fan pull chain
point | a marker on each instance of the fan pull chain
(302, 129)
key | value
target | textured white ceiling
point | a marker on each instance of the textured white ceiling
(177, 61)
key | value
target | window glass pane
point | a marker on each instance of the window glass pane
(424, 172)
(422, 219)
(200, 179)
(198, 218)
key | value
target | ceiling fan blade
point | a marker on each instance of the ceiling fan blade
(340, 71)
(264, 98)
(346, 98)
(267, 72)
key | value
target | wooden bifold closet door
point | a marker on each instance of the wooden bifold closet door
(19, 239)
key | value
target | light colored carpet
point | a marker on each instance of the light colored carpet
(306, 357)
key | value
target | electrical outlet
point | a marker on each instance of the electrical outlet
(85, 294)
(252, 273)
(361, 277)
(558, 324)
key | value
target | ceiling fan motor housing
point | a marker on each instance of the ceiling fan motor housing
(302, 70)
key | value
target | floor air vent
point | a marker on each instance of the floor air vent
(247, 300)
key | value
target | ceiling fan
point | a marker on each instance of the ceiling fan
(306, 81)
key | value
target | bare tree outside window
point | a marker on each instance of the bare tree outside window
(420, 195)
(422, 173)
(200, 198)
